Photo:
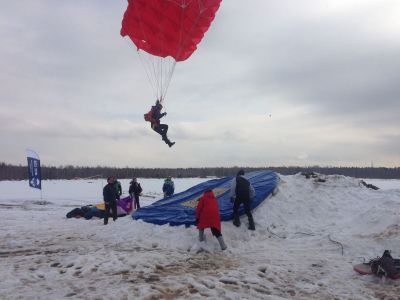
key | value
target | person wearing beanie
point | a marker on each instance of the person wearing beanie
(135, 191)
(168, 187)
(242, 192)
(110, 197)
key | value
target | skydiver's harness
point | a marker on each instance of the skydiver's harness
(149, 118)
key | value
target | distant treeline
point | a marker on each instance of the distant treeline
(13, 172)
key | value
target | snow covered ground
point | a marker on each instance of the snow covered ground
(291, 255)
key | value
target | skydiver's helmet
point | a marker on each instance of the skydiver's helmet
(158, 104)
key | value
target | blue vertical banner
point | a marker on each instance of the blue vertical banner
(34, 172)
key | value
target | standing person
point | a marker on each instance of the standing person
(207, 216)
(135, 190)
(242, 192)
(168, 187)
(118, 187)
(156, 125)
(110, 199)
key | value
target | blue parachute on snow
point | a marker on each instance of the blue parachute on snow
(179, 209)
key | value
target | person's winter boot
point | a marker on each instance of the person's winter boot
(167, 141)
(251, 223)
(236, 220)
(201, 235)
(221, 242)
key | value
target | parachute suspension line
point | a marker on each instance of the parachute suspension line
(161, 24)
(146, 63)
(160, 77)
(159, 71)
(155, 61)
(168, 77)
(164, 65)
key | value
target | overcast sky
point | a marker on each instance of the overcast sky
(308, 82)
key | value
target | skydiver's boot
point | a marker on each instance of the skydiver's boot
(236, 219)
(221, 242)
(167, 141)
(201, 235)
(251, 223)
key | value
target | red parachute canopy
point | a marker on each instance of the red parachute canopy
(168, 27)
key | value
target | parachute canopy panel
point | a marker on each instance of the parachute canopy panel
(168, 27)
(180, 208)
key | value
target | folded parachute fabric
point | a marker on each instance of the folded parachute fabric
(86, 212)
(124, 207)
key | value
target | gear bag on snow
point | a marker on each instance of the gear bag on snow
(386, 266)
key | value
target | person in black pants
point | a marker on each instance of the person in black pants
(134, 191)
(110, 197)
(156, 125)
(242, 192)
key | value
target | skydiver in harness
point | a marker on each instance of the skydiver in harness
(161, 129)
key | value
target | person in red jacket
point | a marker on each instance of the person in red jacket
(207, 216)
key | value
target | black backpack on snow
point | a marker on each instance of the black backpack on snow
(386, 265)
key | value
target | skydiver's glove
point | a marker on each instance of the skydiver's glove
(164, 114)
(232, 199)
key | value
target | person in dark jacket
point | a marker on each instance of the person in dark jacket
(110, 197)
(156, 125)
(168, 187)
(207, 216)
(242, 192)
(118, 187)
(134, 191)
